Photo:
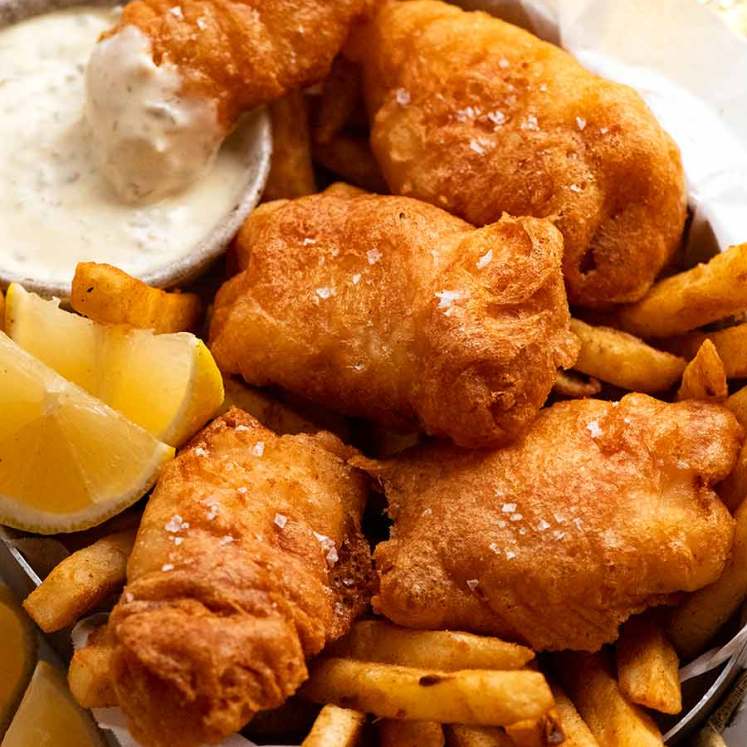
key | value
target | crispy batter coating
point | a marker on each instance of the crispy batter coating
(602, 510)
(243, 53)
(248, 560)
(480, 117)
(391, 309)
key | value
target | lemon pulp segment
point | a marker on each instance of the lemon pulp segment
(49, 717)
(169, 384)
(17, 654)
(67, 460)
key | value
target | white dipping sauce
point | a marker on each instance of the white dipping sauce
(56, 208)
(150, 140)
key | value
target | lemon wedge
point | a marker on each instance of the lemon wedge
(17, 654)
(49, 717)
(169, 384)
(67, 461)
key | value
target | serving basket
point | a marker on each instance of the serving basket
(713, 701)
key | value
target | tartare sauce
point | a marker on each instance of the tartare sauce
(151, 141)
(56, 206)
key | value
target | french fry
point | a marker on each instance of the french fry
(107, 294)
(272, 414)
(737, 403)
(623, 360)
(476, 696)
(694, 623)
(291, 171)
(612, 720)
(2, 310)
(571, 385)
(647, 666)
(540, 732)
(340, 727)
(89, 673)
(351, 159)
(731, 344)
(80, 582)
(341, 96)
(575, 730)
(733, 489)
(704, 378)
(444, 650)
(410, 734)
(459, 735)
(691, 299)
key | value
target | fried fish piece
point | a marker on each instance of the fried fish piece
(480, 117)
(248, 560)
(243, 53)
(167, 84)
(601, 511)
(391, 309)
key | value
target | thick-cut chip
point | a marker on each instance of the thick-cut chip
(410, 734)
(573, 386)
(539, 732)
(699, 618)
(80, 582)
(272, 414)
(109, 295)
(688, 300)
(291, 171)
(647, 666)
(341, 97)
(575, 730)
(476, 696)
(733, 489)
(731, 344)
(704, 378)
(459, 735)
(611, 718)
(89, 675)
(2, 310)
(351, 159)
(340, 727)
(624, 360)
(445, 650)
(737, 403)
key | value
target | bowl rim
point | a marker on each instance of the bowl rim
(257, 147)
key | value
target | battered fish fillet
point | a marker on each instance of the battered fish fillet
(249, 559)
(393, 310)
(480, 117)
(601, 511)
(243, 53)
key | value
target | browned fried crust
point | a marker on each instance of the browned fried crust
(480, 117)
(600, 512)
(229, 590)
(341, 299)
(243, 53)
